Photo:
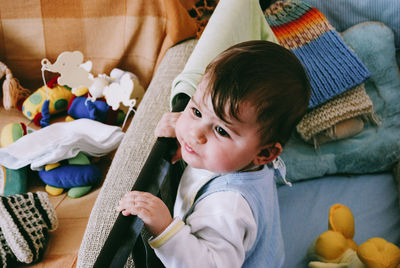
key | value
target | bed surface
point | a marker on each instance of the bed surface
(305, 206)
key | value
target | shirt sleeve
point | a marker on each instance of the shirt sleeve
(217, 234)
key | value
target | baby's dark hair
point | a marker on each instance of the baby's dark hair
(268, 76)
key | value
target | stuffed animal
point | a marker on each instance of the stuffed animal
(76, 174)
(12, 181)
(107, 100)
(99, 110)
(336, 248)
(13, 92)
(58, 99)
(74, 73)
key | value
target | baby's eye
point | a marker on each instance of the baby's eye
(196, 112)
(221, 131)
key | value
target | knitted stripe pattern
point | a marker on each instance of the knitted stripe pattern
(331, 66)
(6, 256)
(25, 220)
(352, 103)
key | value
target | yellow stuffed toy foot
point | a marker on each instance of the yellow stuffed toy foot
(336, 248)
(378, 253)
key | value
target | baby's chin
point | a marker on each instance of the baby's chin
(213, 169)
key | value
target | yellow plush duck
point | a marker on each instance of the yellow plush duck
(335, 248)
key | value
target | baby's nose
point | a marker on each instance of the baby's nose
(198, 135)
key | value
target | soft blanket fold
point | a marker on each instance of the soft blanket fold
(61, 141)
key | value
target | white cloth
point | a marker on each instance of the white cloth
(218, 232)
(61, 141)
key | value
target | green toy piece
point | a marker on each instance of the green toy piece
(79, 159)
(79, 191)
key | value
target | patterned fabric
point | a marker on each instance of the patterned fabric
(133, 35)
(25, 220)
(331, 66)
(6, 256)
(202, 11)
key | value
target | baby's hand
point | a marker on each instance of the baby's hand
(166, 125)
(151, 209)
(166, 128)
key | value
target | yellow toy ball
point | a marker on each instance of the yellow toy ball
(12, 132)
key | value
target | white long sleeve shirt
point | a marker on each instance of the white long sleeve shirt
(218, 232)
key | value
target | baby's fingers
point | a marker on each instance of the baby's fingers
(166, 125)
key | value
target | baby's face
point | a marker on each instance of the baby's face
(208, 142)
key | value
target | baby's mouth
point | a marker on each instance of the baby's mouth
(189, 149)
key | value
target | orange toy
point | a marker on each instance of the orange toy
(336, 247)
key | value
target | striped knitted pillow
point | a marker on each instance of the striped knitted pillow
(331, 66)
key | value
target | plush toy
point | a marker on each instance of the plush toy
(12, 132)
(74, 73)
(13, 92)
(336, 248)
(108, 99)
(99, 110)
(102, 100)
(12, 181)
(58, 99)
(125, 89)
(76, 174)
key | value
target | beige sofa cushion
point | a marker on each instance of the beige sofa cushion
(132, 153)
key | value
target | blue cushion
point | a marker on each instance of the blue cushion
(376, 148)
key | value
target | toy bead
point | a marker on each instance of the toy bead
(77, 192)
(12, 132)
(55, 191)
(51, 166)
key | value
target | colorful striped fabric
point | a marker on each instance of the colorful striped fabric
(331, 66)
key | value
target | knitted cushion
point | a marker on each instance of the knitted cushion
(331, 66)
(352, 103)
(25, 220)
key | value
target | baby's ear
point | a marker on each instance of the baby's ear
(268, 153)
